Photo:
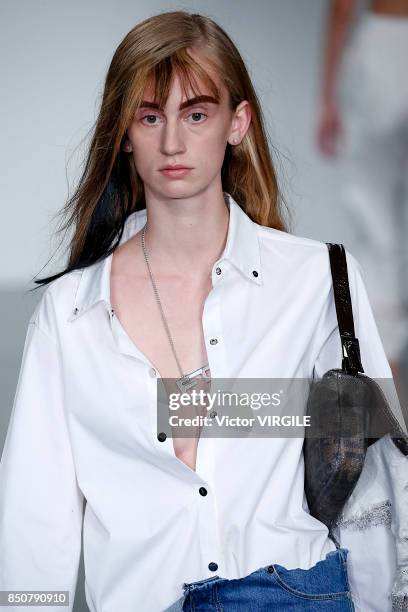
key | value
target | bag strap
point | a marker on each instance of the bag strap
(351, 362)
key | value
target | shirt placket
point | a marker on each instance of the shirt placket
(201, 479)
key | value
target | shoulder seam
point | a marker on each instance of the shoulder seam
(309, 242)
(49, 336)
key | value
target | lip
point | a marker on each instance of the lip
(175, 171)
(173, 167)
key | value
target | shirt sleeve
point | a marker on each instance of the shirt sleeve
(41, 505)
(372, 352)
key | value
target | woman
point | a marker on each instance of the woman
(364, 108)
(180, 269)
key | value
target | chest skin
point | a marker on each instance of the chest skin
(182, 299)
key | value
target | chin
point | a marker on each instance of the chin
(178, 189)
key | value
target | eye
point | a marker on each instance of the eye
(195, 116)
(149, 117)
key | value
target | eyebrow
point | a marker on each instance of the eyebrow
(185, 104)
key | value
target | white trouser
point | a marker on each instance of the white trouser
(373, 98)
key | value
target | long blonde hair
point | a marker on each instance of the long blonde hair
(110, 188)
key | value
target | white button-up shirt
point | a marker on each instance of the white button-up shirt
(83, 426)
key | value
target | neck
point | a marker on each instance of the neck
(185, 236)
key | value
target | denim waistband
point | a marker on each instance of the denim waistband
(330, 556)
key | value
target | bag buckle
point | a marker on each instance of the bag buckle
(351, 355)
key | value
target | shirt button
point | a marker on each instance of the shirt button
(213, 341)
(254, 272)
(76, 310)
(162, 436)
(152, 372)
(202, 491)
(271, 569)
(212, 566)
(212, 414)
(218, 270)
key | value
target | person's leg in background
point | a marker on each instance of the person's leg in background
(374, 103)
(402, 260)
(403, 240)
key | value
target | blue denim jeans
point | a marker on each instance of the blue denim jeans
(323, 587)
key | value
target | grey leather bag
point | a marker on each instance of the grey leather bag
(348, 411)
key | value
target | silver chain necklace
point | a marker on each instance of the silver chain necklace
(186, 381)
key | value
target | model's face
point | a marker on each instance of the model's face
(190, 133)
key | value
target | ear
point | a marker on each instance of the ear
(240, 122)
(126, 144)
(127, 147)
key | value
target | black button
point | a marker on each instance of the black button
(162, 436)
(213, 341)
(203, 491)
(212, 566)
(213, 414)
(218, 270)
(254, 272)
(271, 569)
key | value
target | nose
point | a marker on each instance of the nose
(172, 141)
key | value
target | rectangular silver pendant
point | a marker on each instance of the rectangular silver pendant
(186, 382)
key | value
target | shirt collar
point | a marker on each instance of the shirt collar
(241, 249)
